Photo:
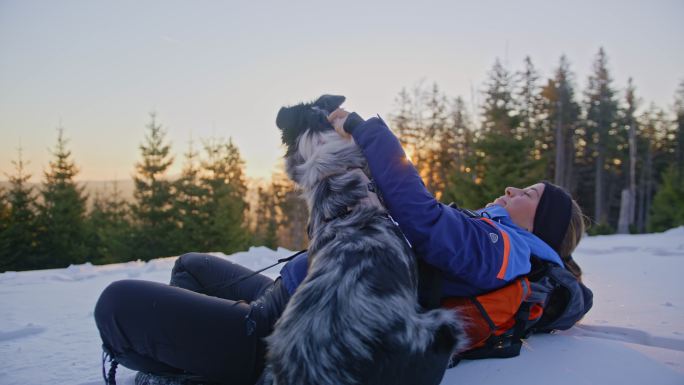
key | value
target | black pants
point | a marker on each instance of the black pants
(173, 329)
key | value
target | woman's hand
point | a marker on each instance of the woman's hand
(337, 119)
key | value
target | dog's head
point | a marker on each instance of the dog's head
(295, 120)
(314, 149)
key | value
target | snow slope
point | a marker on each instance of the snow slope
(634, 334)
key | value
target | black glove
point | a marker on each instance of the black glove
(352, 121)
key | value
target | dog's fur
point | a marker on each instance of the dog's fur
(355, 319)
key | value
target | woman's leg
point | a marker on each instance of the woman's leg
(214, 276)
(158, 328)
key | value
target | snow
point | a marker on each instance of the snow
(633, 335)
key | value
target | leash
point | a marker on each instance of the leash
(110, 376)
(205, 290)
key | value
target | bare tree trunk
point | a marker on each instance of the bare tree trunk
(632, 172)
(649, 186)
(641, 209)
(625, 204)
(628, 197)
(559, 175)
(598, 193)
(569, 181)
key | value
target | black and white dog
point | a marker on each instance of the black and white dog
(355, 319)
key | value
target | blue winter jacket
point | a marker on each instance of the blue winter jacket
(474, 255)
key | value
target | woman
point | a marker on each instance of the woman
(174, 332)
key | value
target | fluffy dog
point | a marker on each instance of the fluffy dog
(355, 319)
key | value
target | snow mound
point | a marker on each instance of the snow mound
(634, 334)
(25, 331)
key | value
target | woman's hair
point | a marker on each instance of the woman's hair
(572, 237)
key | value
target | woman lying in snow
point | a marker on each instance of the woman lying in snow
(199, 329)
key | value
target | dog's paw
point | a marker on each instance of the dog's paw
(329, 103)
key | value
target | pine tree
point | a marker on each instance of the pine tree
(501, 156)
(600, 130)
(421, 116)
(111, 231)
(189, 197)
(668, 203)
(654, 153)
(152, 211)
(292, 212)
(266, 218)
(679, 131)
(498, 112)
(462, 130)
(459, 143)
(437, 148)
(629, 122)
(225, 209)
(562, 114)
(450, 128)
(18, 236)
(404, 121)
(4, 225)
(664, 143)
(97, 220)
(61, 218)
(4, 211)
(498, 162)
(530, 102)
(432, 134)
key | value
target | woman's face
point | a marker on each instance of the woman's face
(521, 204)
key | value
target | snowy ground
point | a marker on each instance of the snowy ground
(634, 334)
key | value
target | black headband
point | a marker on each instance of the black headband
(552, 217)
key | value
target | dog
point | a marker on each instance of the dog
(355, 319)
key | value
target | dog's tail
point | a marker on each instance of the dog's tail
(443, 334)
(434, 337)
(440, 329)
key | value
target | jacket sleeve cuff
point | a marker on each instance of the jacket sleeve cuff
(353, 120)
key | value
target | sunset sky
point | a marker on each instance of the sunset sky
(223, 69)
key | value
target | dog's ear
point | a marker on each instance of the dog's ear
(329, 103)
(294, 120)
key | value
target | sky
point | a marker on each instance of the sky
(223, 69)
